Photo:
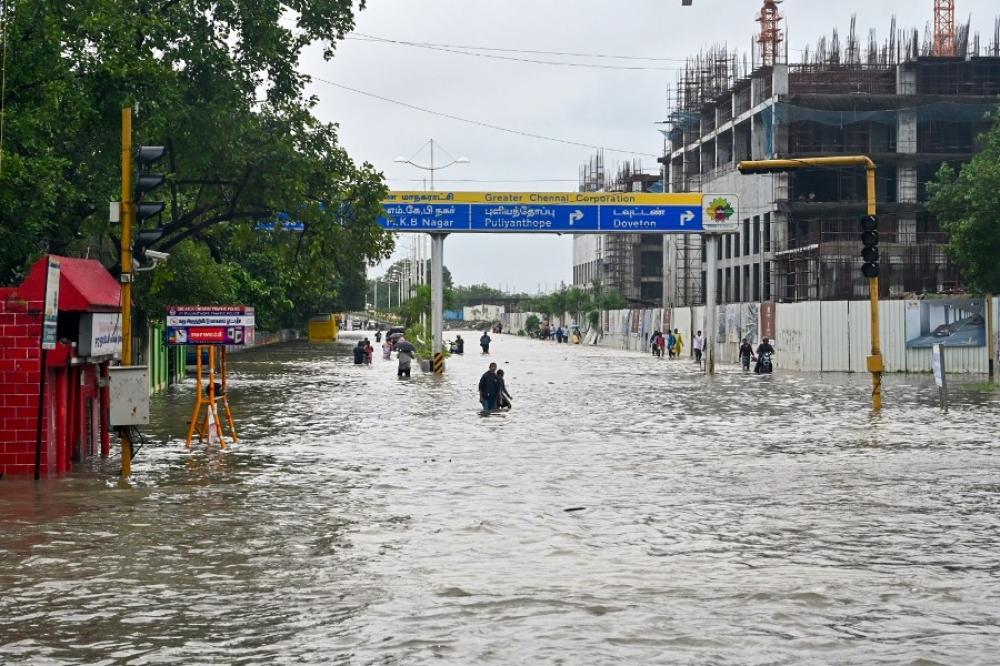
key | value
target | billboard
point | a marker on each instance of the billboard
(210, 325)
(949, 322)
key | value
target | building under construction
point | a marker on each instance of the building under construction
(627, 264)
(911, 102)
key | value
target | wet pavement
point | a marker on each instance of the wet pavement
(369, 520)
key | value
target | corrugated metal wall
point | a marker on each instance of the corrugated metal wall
(829, 336)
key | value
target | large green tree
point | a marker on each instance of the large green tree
(967, 204)
(217, 82)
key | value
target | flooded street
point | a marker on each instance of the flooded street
(368, 520)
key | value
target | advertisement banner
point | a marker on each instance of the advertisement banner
(949, 322)
(210, 325)
(768, 325)
(51, 316)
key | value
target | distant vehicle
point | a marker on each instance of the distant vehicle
(356, 324)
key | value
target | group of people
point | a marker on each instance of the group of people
(762, 356)
(493, 392)
(363, 352)
(406, 353)
(670, 344)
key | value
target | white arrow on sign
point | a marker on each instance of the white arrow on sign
(575, 216)
(687, 216)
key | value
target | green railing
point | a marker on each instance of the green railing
(166, 364)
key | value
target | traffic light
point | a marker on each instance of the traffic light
(869, 243)
(147, 182)
(144, 239)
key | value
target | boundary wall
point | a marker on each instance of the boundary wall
(814, 336)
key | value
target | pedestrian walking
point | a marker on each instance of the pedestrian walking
(654, 343)
(405, 354)
(485, 341)
(671, 344)
(678, 343)
(503, 396)
(369, 351)
(698, 345)
(662, 341)
(746, 354)
(359, 352)
(386, 349)
(488, 386)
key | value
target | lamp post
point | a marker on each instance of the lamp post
(437, 263)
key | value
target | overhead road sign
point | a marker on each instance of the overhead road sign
(559, 212)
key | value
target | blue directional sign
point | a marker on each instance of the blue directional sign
(426, 217)
(534, 218)
(560, 212)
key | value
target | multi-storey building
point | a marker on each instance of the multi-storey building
(800, 232)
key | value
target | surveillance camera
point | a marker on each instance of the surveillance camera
(157, 256)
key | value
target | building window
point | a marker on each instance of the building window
(718, 250)
(704, 286)
(756, 235)
(756, 282)
(746, 234)
(737, 293)
(729, 246)
(767, 280)
(718, 287)
(746, 284)
(704, 250)
(766, 232)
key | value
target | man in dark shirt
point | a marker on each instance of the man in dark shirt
(485, 341)
(359, 352)
(746, 353)
(489, 386)
(763, 348)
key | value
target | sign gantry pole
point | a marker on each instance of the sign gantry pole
(711, 306)
(437, 301)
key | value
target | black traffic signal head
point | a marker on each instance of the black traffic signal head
(147, 182)
(144, 211)
(145, 238)
(150, 154)
(869, 249)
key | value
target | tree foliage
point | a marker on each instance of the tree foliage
(217, 82)
(967, 204)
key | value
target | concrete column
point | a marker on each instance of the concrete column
(437, 292)
(710, 303)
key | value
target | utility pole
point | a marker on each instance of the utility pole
(127, 214)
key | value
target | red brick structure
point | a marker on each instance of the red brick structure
(75, 415)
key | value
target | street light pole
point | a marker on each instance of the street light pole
(437, 268)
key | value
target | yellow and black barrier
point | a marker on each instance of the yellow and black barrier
(438, 363)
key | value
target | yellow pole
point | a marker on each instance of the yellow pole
(876, 365)
(126, 273)
(990, 333)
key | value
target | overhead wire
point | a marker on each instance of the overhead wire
(494, 56)
(480, 123)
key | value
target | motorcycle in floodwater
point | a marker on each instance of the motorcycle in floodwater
(764, 364)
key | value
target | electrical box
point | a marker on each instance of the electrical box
(129, 388)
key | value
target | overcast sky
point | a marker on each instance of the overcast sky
(613, 107)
